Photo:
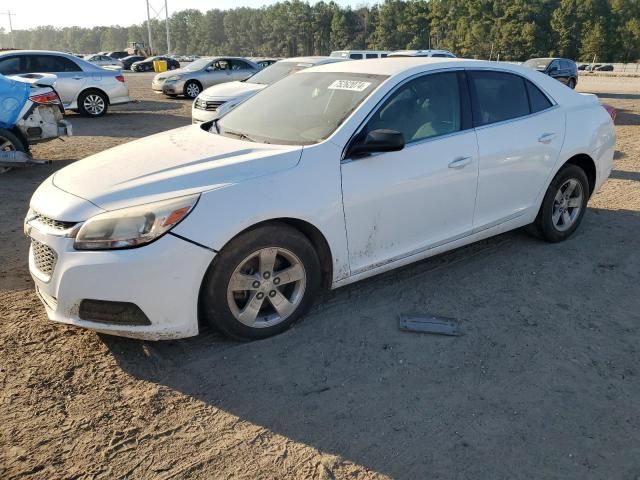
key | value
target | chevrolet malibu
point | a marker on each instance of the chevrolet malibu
(329, 176)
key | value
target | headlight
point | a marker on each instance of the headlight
(133, 226)
(174, 78)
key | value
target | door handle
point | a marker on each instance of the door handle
(546, 137)
(460, 162)
(77, 78)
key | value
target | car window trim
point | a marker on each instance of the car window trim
(365, 121)
(553, 106)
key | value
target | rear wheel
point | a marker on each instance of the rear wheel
(9, 142)
(564, 204)
(571, 83)
(93, 103)
(261, 283)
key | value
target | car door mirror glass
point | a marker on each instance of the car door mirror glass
(377, 141)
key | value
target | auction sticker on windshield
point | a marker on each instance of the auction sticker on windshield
(351, 85)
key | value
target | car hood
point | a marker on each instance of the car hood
(171, 164)
(231, 89)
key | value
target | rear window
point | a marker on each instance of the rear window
(498, 96)
(538, 101)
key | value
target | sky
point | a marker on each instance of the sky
(89, 13)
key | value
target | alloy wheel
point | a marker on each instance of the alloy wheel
(266, 287)
(567, 205)
(93, 104)
(193, 90)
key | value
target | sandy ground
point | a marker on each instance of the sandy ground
(544, 383)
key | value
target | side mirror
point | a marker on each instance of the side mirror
(378, 141)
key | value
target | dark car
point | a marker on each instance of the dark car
(130, 60)
(117, 55)
(146, 65)
(562, 69)
(607, 67)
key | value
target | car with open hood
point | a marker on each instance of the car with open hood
(334, 174)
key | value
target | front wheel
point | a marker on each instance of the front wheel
(93, 103)
(9, 142)
(261, 283)
(192, 89)
(563, 205)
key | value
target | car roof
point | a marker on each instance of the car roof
(317, 60)
(418, 52)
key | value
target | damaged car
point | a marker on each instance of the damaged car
(329, 176)
(31, 113)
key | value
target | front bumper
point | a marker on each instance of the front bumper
(173, 88)
(163, 279)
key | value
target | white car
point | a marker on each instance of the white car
(215, 101)
(422, 53)
(104, 61)
(329, 176)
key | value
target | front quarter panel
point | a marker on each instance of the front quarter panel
(311, 192)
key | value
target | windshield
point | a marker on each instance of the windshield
(277, 71)
(538, 63)
(301, 109)
(197, 64)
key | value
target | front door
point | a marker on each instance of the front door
(401, 203)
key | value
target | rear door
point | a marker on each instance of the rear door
(520, 133)
(71, 78)
(240, 70)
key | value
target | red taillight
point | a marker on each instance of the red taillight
(49, 97)
(611, 111)
(120, 78)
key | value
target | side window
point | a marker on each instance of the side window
(497, 96)
(426, 107)
(239, 65)
(439, 55)
(10, 65)
(555, 64)
(52, 64)
(222, 65)
(372, 55)
(538, 101)
(355, 56)
(383, 55)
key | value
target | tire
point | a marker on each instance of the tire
(10, 142)
(571, 83)
(551, 224)
(192, 89)
(223, 306)
(93, 103)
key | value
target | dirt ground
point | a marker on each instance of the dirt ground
(544, 383)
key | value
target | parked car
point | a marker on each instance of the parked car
(104, 61)
(34, 115)
(217, 100)
(358, 54)
(130, 60)
(605, 68)
(318, 180)
(119, 55)
(422, 53)
(146, 65)
(263, 62)
(82, 86)
(200, 74)
(582, 66)
(562, 69)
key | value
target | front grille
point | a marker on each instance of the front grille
(210, 106)
(51, 223)
(44, 257)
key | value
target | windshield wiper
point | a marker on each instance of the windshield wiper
(240, 135)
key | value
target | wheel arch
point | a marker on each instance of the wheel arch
(586, 163)
(192, 80)
(94, 89)
(313, 234)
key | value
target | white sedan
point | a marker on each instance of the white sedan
(329, 176)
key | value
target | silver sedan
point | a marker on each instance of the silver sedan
(82, 86)
(203, 73)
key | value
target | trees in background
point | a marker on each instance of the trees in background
(512, 29)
